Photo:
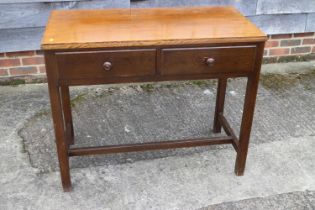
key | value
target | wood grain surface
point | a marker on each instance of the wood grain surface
(180, 61)
(89, 64)
(82, 29)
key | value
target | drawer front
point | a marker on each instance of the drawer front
(106, 64)
(207, 60)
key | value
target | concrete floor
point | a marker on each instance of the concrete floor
(280, 171)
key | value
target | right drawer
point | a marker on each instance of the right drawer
(207, 60)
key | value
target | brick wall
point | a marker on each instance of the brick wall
(300, 44)
(18, 64)
(29, 65)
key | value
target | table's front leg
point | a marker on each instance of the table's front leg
(248, 113)
(57, 115)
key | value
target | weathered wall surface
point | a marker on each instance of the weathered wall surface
(22, 21)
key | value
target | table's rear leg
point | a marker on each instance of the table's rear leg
(56, 109)
(66, 106)
(219, 107)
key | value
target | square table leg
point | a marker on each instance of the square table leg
(248, 113)
(247, 119)
(66, 107)
(219, 107)
(57, 115)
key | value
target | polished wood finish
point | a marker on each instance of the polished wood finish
(81, 29)
(228, 130)
(146, 45)
(66, 107)
(120, 63)
(58, 120)
(207, 60)
(150, 146)
(248, 113)
(219, 107)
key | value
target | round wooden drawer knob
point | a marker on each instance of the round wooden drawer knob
(107, 66)
(209, 61)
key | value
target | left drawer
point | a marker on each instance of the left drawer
(104, 64)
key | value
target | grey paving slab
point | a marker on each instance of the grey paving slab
(310, 195)
(294, 200)
(188, 182)
(19, 104)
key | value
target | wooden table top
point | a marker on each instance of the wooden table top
(81, 29)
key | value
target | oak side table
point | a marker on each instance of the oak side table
(85, 47)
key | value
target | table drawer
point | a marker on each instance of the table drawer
(207, 60)
(102, 64)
